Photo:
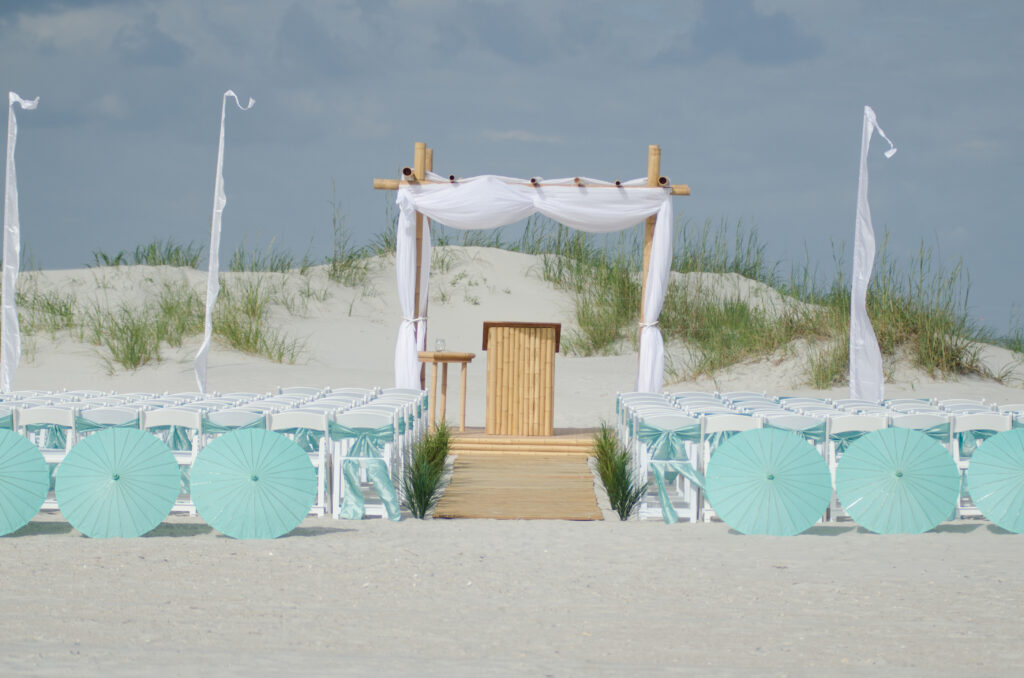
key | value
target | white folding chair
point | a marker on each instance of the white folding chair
(661, 444)
(842, 430)
(715, 429)
(181, 429)
(45, 425)
(368, 438)
(970, 431)
(296, 422)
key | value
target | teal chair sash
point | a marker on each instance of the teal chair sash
(7, 422)
(969, 440)
(306, 438)
(178, 439)
(845, 439)
(669, 457)
(815, 435)
(938, 432)
(85, 425)
(212, 427)
(365, 452)
(55, 436)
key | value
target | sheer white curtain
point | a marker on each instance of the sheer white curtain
(10, 340)
(213, 273)
(487, 202)
(866, 379)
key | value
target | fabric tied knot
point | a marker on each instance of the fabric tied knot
(367, 450)
(668, 458)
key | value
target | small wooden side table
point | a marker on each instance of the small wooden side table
(445, 357)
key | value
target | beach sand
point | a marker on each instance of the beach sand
(480, 597)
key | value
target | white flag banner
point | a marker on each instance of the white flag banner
(866, 379)
(10, 335)
(212, 281)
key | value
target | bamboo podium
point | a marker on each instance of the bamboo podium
(521, 377)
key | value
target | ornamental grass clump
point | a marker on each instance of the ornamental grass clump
(615, 470)
(422, 480)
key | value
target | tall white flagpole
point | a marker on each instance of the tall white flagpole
(212, 281)
(866, 378)
(10, 336)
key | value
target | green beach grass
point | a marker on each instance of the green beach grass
(918, 308)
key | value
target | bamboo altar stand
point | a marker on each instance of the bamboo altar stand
(521, 377)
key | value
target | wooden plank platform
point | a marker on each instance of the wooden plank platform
(573, 441)
(535, 486)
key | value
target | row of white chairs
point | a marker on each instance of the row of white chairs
(828, 429)
(751, 402)
(57, 421)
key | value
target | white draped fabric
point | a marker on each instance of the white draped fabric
(212, 280)
(10, 337)
(866, 379)
(488, 201)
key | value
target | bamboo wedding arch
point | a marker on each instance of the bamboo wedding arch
(420, 175)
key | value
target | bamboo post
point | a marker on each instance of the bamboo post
(492, 391)
(535, 399)
(505, 369)
(550, 386)
(545, 403)
(517, 382)
(444, 391)
(653, 180)
(462, 400)
(433, 395)
(419, 173)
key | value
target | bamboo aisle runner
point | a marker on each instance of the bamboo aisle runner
(520, 486)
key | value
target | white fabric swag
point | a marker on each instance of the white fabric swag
(10, 338)
(212, 280)
(488, 201)
(866, 378)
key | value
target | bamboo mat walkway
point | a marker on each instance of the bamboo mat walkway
(525, 479)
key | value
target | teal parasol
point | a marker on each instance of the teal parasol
(897, 480)
(253, 484)
(24, 481)
(995, 479)
(118, 482)
(768, 481)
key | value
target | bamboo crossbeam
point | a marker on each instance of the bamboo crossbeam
(395, 184)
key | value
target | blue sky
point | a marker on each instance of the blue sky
(757, 104)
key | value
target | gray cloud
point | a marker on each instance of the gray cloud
(144, 44)
(735, 28)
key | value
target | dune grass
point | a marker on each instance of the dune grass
(920, 308)
(615, 470)
(156, 253)
(421, 482)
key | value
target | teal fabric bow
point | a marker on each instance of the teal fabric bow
(212, 427)
(306, 438)
(669, 457)
(365, 452)
(969, 440)
(938, 432)
(813, 434)
(845, 439)
(55, 436)
(85, 425)
(178, 439)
